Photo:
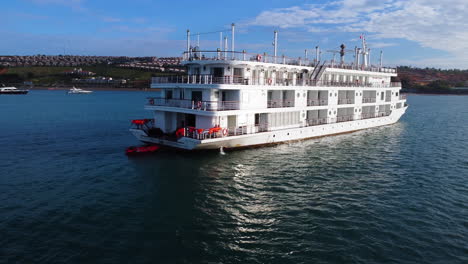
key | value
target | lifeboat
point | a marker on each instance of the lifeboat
(141, 150)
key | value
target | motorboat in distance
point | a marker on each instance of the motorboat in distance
(75, 90)
(12, 90)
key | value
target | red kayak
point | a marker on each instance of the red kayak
(141, 150)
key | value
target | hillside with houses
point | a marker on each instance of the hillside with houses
(431, 80)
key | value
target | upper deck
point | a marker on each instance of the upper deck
(239, 58)
(223, 69)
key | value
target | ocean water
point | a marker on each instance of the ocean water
(68, 194)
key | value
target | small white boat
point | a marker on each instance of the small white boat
(78, 91)
(12, 90)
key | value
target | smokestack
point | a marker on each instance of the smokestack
(305, 54)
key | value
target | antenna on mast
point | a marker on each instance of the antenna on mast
(342, 51)
(275, 44)
(232, 39)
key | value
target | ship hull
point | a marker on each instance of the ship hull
(273, 137)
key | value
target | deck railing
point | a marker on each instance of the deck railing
(253, 129)
(344, 118)
(345, 101)
(280, 103)
(402, 97)
(316, 121)
(316, 102)
(196, 105)
(217, 132)
(369, 100)
(196, 55)
(239, 80)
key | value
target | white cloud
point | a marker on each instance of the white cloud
(441, 25)
(375, 45)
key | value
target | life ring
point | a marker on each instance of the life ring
(259, 57)
(225, 132)
(269, 81)
(151, 101)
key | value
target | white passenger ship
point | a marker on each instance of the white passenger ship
(234, 99)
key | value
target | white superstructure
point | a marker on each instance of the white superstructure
(235, 99)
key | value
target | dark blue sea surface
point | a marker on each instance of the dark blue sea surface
(68, 193)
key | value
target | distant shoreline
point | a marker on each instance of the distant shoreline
(436, 92)
(93, 89)
(409, 91)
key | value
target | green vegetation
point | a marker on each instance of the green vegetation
(432, 80)
(50, 74)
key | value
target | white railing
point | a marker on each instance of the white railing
(368, 99)
(239, 80)
(196, 105)
(345, 101)
(344, 118)
(316, 122)
(316, 102)
(280, 103)
(218, 132)
(265, 58)
(201, 134)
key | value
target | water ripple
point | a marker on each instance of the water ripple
(391, 194)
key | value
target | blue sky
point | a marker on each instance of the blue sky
(416, 32)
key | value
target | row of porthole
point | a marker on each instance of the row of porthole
(372, 121)
(331, 94)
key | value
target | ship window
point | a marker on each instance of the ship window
(168, 94)
(334, 112)
(355, 110)
(331, 94)
(396, 94)
(298, 95)
(382, 96)
(329, 112)
(257, 119)
(237, 71)
(336, 94)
